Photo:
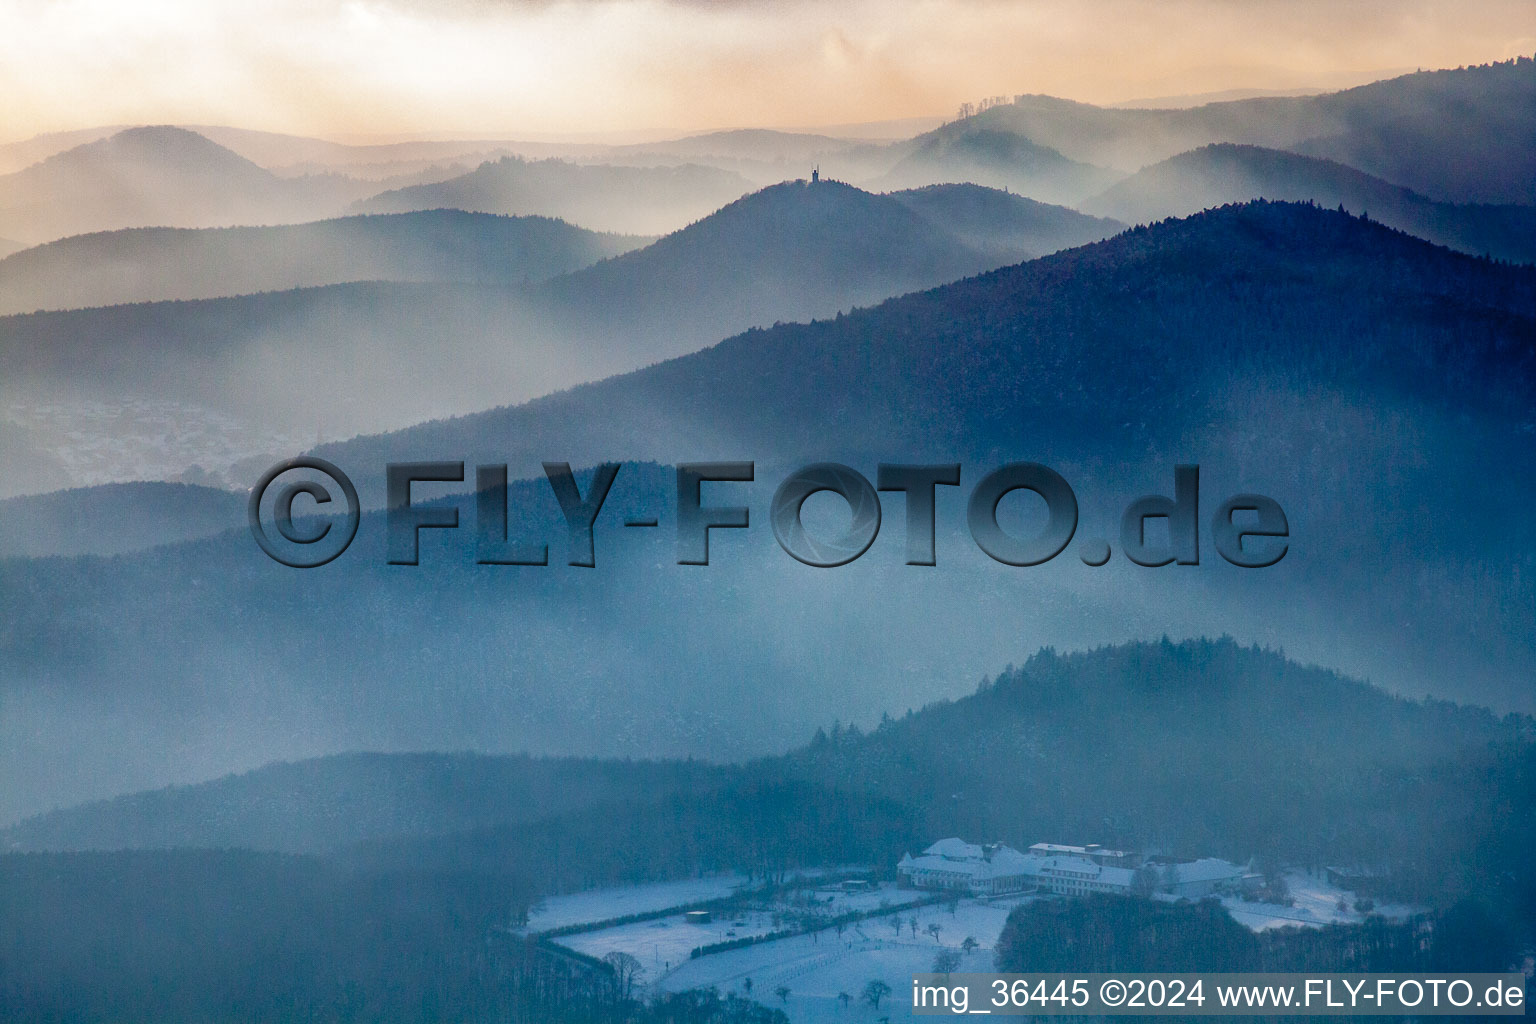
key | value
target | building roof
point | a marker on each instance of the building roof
(1050, 848)
(980, 862)
(1092, 869)
(955, 849)
(1207, 869)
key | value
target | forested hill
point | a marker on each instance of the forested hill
(327, 803)
(1328, 362)
(1204, 748)
(634, 200)
(1200, 748)
(1460, 135)
(1212, 175)
(156, 264)
(1448, 793)
(1152, 322)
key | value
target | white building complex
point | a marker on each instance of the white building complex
(979, 870)
(995, 869)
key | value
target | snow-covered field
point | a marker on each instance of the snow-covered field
(621, 901)
(815, 968)
(663, 943)
(1317, 904)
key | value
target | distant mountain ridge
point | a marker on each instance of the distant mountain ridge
(332, 802)
(965, 151)
(160, 264)
(157, 176)
(1329, 362)
(1225, 173)
(1014, 227)
(601, 197)
(1249, 755)
(114, 518)
(789, 252)
(1460, 135)
(792, 251)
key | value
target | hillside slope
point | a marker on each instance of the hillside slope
(345, 359)
(157, 176)
(1223, 173)
(1460, 135)
(1200, 748)
(1012, 226)
(600, 197)
(1328, 362)
(964, 151)
(159, 264)
(115, 518)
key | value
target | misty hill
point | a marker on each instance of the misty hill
(156, 176)
(964, 151)
(152, 264)
(16, 156)
(331, 802)
(1200, 748)
(1224, 173)
(792, 251)
(1459, 135)
(114, 518)
(327, 358)
(407, 928)
(7, 247)
(638, 200)
(1009, 225)
(1331, 363)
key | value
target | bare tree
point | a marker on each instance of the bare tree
(626, 969)
(970, 945)
(844, 998)
(875, 991)
(945, 961)
(783, 993)
(934, 929)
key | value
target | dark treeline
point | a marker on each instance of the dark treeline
(763, 827)
(1103, 933)
(193, 936)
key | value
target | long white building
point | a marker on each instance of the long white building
(988, 870)
(994, 869)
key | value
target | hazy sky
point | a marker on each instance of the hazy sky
(529, 67)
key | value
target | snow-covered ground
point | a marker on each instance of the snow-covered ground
(622, 901)
(815, 968)
(665, 942)
(1317, 904)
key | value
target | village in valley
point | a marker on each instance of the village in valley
(843, 944)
